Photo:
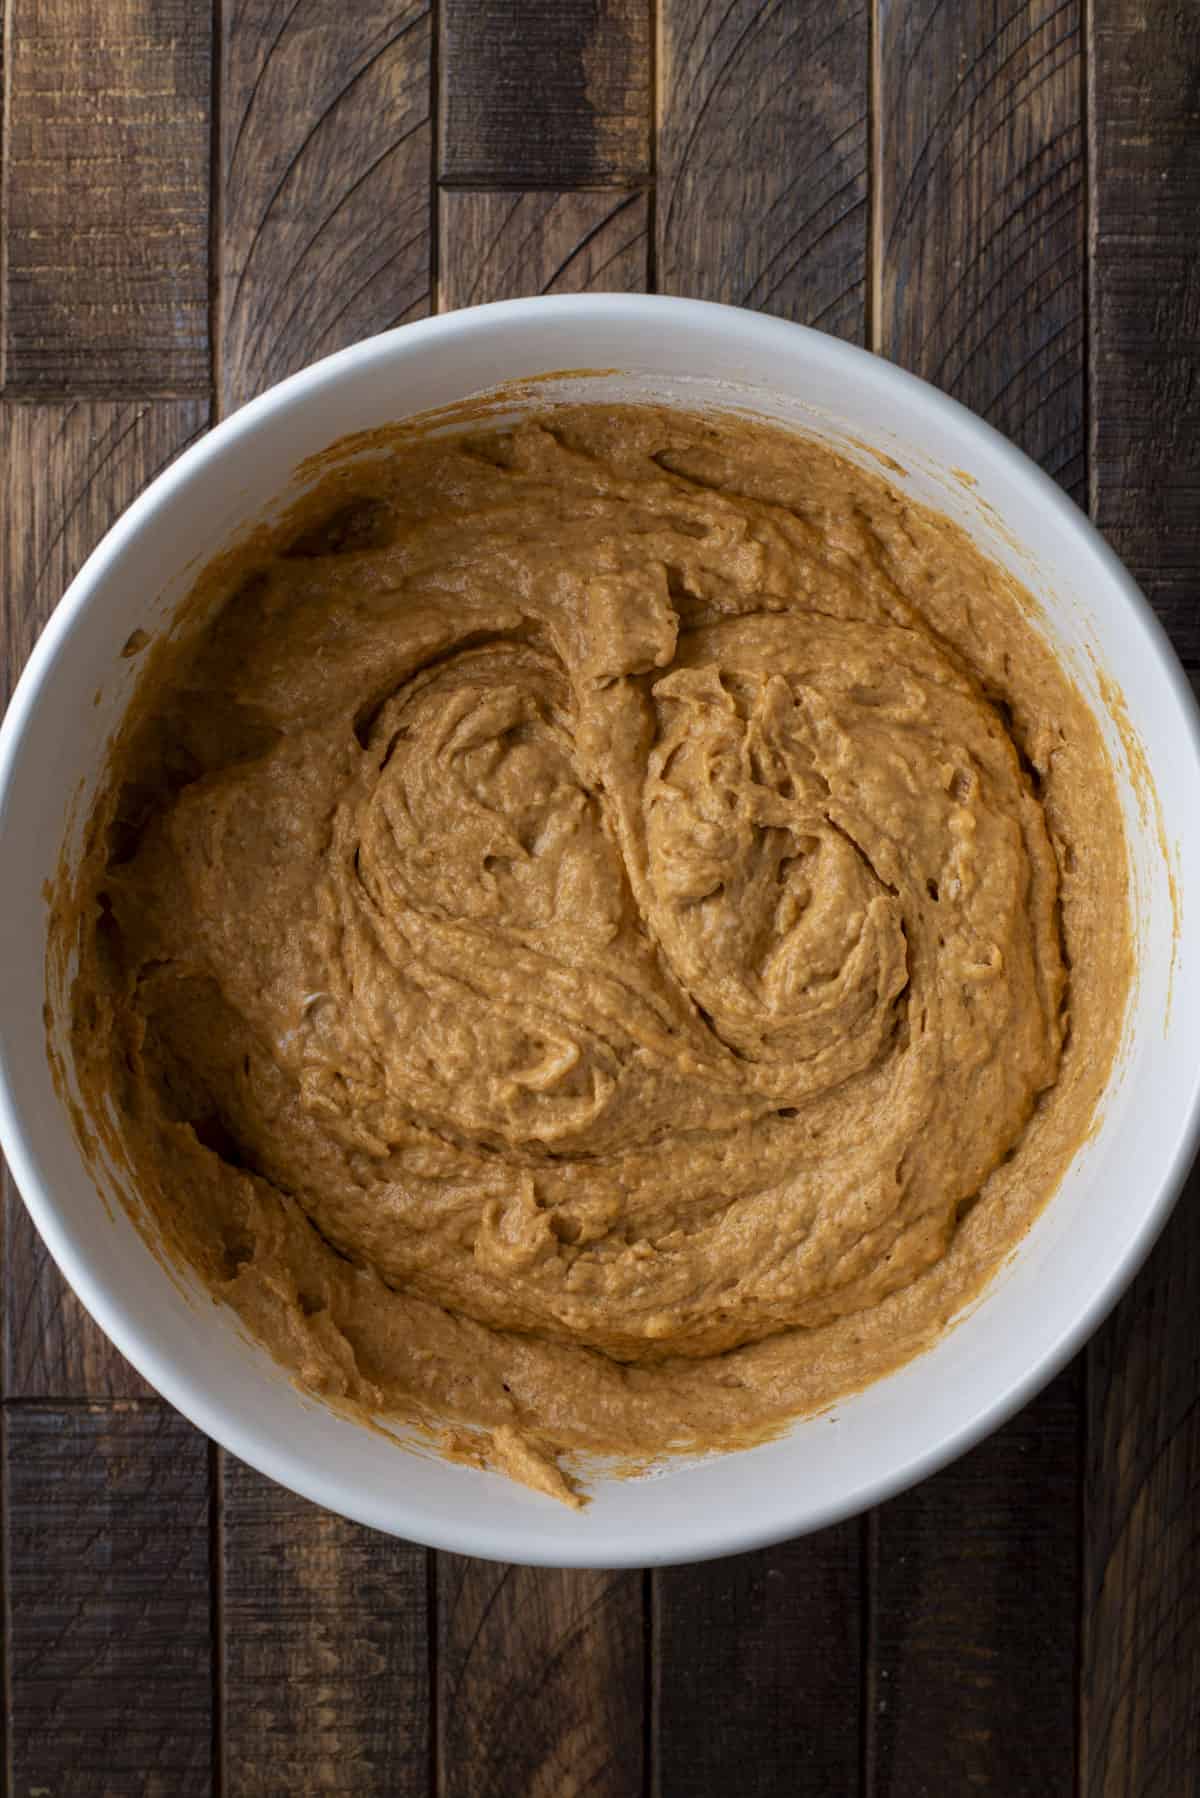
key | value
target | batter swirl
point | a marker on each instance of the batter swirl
(580, 944)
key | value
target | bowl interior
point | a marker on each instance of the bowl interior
(1079, 1253)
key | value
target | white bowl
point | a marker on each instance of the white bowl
(1083, 1249)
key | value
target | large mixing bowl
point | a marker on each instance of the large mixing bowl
(1082, 1250)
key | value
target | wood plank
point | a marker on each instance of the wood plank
(540, 1677)
(107, 196)
(548, 94)
(1141, 1632)
(1145, 409)
(325, 202)
(52, 1349)
(981, 215)
(539, 1674)
(757, 1671)
(762, 158)
(508, 244)
(1140, 1722)
(326, 1668)
(66, 471)
(974, 1617)
(107, 1563)
(975, 1575)
(762, 201)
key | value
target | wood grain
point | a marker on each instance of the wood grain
(1140, 1716)
(973, 1632)
(325, 186)
(66, 471)
(1145, 388)
(975, 1576)
(1141, 1638)
(762, 202)
(110, 1651)
(981, 213)
(762, 157)
(107, 183)
(757, 1672)
(326, 1680)
(540, 1681)
(540, 1673)
(503, 245)
(547, 94)
(52, 1349)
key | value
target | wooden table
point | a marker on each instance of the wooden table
(1003, 195)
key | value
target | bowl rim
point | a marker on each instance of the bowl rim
(692, 1541)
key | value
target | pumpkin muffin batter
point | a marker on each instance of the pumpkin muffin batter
(605, 936)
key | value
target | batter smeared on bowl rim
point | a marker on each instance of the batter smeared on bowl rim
(605, 938)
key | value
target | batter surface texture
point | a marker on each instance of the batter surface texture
(605, 938)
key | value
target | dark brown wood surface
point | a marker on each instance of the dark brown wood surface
(1144, 271)
(759, 1670)
(762, 157)
(981, 213)
(106, 220)
(547, 94)
(107, 1587)
(1003, 195)
(541, 1681)
(325, 1656)
(973, 1585)
(1140, 1715)
(324, 214)
(498, 245)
